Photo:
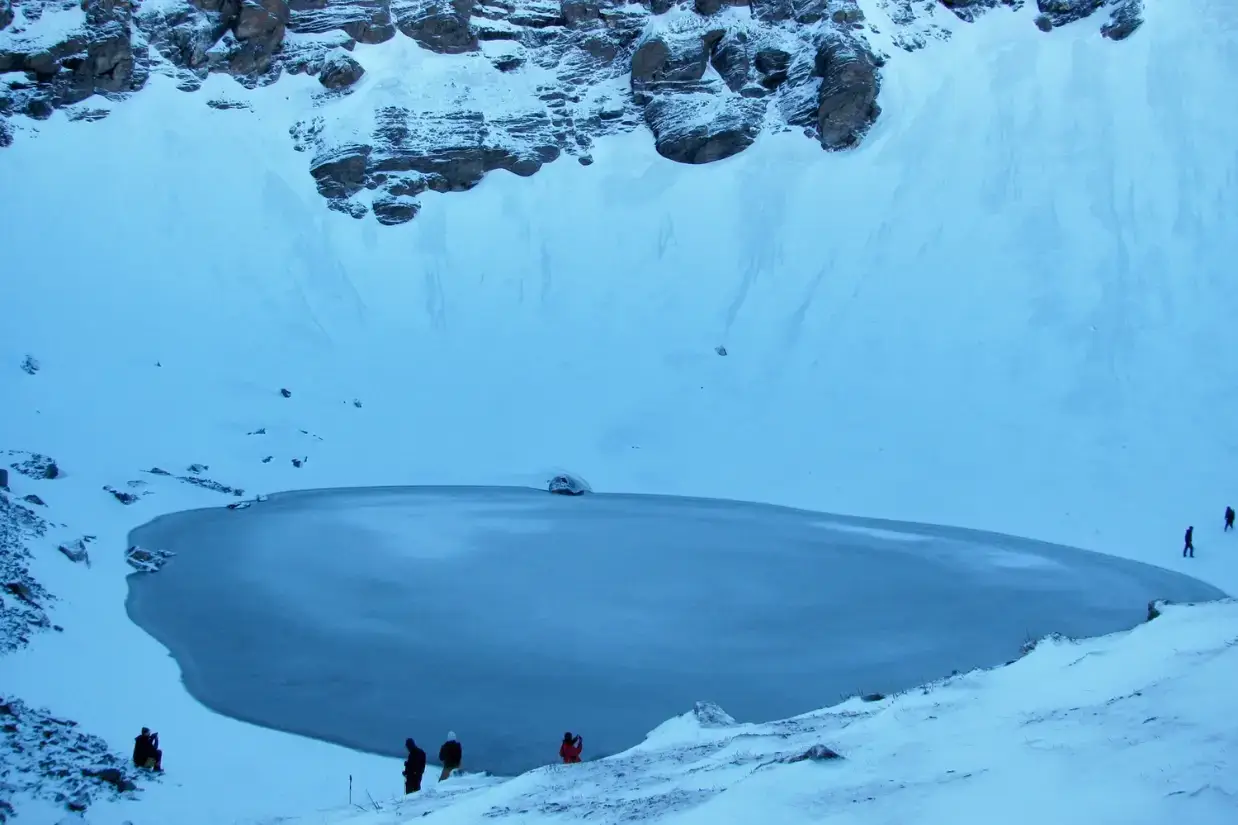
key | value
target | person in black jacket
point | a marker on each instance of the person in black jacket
(450, 755)
(1229, 518)
(146, 753)
(414, 767)
(1190, 545)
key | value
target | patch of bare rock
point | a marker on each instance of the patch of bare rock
(706, 77)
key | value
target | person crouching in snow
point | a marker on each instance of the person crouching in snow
(570, 750)
(146, 753)
(450, 755)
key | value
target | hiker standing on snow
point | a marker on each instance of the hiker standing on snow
(570, 750)
(414, 767)
(1229, 518)
(1190, 546)
(450, 755)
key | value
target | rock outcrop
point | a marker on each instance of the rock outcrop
(706, 80)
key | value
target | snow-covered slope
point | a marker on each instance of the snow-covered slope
(1009, 308)
(1118, 729)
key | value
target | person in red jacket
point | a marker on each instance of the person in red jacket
(571, 748)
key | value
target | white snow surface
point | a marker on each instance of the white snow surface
(1010, 309)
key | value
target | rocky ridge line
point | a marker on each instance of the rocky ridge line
(705, 76)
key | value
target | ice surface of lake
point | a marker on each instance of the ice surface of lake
(363, 616)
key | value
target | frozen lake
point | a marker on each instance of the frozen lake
(363, 616)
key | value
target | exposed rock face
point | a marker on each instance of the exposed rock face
(847, 100)
(147, 561)
(23, 601)
(439, 25)
(705, 81)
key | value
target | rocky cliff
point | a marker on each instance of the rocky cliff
(705, 77)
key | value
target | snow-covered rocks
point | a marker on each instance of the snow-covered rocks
(704, 77)
(566, 484)
(146, 560)
(35, 465)
(710, 715)
(52, 759)
(340, 71)
(23, 601)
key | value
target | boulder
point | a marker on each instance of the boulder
(439, 25)
(699, 127)
(1124, 20)
(1061, 12)
(847, 100)
(817, 753)
(711, 715)
(772, 64)
(731, 59)
(667, 60)
(565, 484)
(340, 71)
(6, 13)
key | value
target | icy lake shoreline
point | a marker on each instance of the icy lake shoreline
(365, 615)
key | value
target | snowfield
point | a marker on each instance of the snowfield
(1011, 309)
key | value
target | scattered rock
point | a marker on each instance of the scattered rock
(340, 71)
(23, 600)
(267, 460)
(122, 496)
(259, 431)
(286, 393)
(52, 759)
(356, 402)
(297, 462)
(36, 466)
(1061, 12)
(29, 365)
(147, 561)
(35, 500)
(872, 697)
(238, 505)
(1044, 22)
(1154, 608)
(208, 484)
(76, 551)
(817, 753)
(158, 471)
(721, 350)
(223, 104)
(88, 115)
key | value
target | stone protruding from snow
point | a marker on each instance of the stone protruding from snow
(817, 753)
(1127, 16)
(566, 484)
(147, 561)
(710, 715)
(340, 71)
(6, 14)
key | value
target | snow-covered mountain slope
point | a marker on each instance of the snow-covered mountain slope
(1010, 307)
(449, 90)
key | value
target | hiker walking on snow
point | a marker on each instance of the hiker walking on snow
(1190, 546)
(1229, 518)
(570, 750)
(450, 755)
(414, 767)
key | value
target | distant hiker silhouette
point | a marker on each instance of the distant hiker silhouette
(1189, 548)
(1229, 518)
(450, 755)
(414, 767)
(570, 750)
(146, 753)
